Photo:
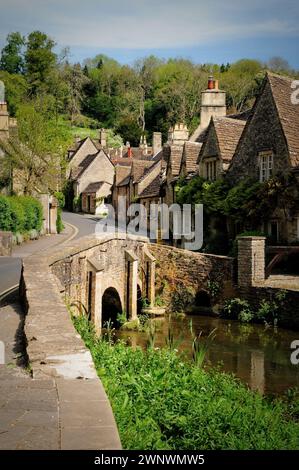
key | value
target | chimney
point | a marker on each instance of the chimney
(180, 134)
(103, 138)
(4, 116)
(213, 103)
(130, 154)
(157, 142)
(77, 139)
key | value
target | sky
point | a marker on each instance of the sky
(206, 31)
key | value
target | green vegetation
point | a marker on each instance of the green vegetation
(269, 312)
(150, 95)
(161, 401)
(61, 203)
(20, 214)
(238, 204)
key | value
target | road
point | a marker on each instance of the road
(85, 224)
(10, 267)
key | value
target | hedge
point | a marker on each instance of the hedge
(20, 214)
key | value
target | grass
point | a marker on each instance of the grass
(161, 401)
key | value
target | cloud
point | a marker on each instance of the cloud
(141, 24)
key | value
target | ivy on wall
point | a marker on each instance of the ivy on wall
(244, 204)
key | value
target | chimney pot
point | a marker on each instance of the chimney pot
(211, 83)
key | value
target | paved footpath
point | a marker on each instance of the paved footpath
(64, 406)
(28, 408)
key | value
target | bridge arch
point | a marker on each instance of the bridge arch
(111, 306)
(202, 299)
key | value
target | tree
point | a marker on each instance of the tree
(36, 155)
(241, 82)
(279, 65)
(39, 61)
(76, 80)
(15, 90)
(12, 60)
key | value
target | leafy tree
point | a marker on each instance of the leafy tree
(241, 82)
(12, 60)
(75, 79)
(36, 154)
(39, 60)
(15, 90)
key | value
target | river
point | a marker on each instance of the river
(258, 355)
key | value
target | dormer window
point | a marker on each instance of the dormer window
(266, 165)
(211, 169)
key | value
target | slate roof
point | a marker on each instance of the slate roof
(288, 113)
(137, 153)
(228, 133)
(139, 167)
(175, 158)
(77, 172)
(153, 189)
(190, 156)
(94, 187)
(122, 174)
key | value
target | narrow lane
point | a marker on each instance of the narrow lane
(10, 267)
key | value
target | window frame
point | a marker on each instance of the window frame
(266, 165)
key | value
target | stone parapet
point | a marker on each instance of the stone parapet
(5, 243)
(251, 260)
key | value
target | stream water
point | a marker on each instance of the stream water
(259, 356)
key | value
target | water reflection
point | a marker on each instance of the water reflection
(259, 356)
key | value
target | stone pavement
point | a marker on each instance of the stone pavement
(57, 401)
(63, 406)
(28, 408)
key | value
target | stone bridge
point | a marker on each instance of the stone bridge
(113, 274)
(108, 276)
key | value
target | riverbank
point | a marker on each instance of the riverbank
(162, 402)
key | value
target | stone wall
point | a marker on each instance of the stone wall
(289, 310)
(181, 274)
(262, 132)
(56, 352)
(5, 243)
(107, 259)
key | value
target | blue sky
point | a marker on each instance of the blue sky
(203, 30)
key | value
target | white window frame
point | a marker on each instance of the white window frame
(211, 169)
(266, 163)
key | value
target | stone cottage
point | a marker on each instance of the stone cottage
(269, 147)
(216, 153)
(92, 180)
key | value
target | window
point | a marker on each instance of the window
(211, 170)
(266, 165)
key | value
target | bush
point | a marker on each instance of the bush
(20, 214)
(60, 198)
(267, 311)
(18, 217)
(238, 309)
(59, 224)
(5, 214)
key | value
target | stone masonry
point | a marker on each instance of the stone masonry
(251, 260)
